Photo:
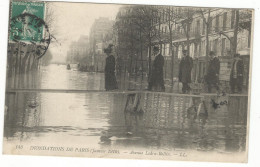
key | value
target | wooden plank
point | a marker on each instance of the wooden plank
(111, 92)
(93, 91)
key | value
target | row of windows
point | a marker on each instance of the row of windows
(220, 22)
(220, 46)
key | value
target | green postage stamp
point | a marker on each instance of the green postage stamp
(26, 18)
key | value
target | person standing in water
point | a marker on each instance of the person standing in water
(110, 77)
(156, 82)
(212, 77)
(185, 68)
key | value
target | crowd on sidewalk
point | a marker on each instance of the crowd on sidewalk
(156, 80)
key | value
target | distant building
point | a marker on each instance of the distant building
(100, 36)
(79, 51)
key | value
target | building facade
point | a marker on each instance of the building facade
(100, 37)
(79, 51)
(191, 28)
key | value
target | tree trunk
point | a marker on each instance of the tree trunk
(249, 36)
(188, 38)
(142, 64)
(172, 54)
(29, 63)
(150, 58)
(235, 33)
(207, 40)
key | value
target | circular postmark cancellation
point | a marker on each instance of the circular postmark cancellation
(30, 29)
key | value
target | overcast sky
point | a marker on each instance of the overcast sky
(75, 19)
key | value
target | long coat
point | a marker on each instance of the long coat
(213, 71)
(240, 70)
(110, 78)
(156, 80)
(185, 68)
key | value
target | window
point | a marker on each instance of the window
(217, 23)
(203, 28)
(232, 18)
(198, 27)
(166, 16)
(167, 52)
(210, 24)
(192, 50)
(210, 46)
(163, 49)
(225, 21)
(163, 15)
(223, 48)
(203, 48)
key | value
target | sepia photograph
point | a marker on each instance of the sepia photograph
(128, 81)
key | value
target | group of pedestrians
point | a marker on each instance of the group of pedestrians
(236, 74)
(156, 79)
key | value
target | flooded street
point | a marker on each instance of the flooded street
(102, 120)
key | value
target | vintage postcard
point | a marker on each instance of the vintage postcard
(128, 81)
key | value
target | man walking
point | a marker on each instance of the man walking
(185, 68)
(212, 77)
(236, 75)
(156, 80)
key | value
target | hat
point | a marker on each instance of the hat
(212, 53)
(108, 49)
(156, 48)
(236, 55)
(184, 51)
(110, 45)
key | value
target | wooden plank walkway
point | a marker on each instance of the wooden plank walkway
(8, 91)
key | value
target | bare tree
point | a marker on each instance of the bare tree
(242, 21)
(171, 19)
(186, 18)
(147, 20)
(208, 17)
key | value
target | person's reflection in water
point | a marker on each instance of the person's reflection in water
(134, 103)
(133, 115)
(133, 112)
(198, 112)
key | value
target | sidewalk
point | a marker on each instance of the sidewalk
(127, 82)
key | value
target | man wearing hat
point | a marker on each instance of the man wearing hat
(212, 77)
(236, 75)
(185, 68)
(156, 81)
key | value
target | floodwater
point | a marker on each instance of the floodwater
(104, 120)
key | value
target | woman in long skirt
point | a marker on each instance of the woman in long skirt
(110, 77)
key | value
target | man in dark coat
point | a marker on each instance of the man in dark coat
(110, 78)
(185, 68)
(156, 81)
(212, 77)
(236, 75)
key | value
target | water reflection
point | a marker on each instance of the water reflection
(57, 77)
(101, 120)
(145, 120)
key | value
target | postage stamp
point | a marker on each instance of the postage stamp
(25, 23)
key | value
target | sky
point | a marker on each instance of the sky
(73, 20)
